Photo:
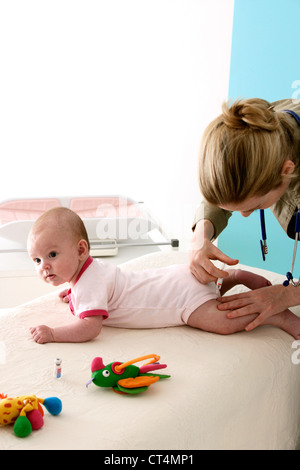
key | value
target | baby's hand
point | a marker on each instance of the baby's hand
(42, 334)
(64, 296)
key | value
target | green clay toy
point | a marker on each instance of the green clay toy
(126, 378)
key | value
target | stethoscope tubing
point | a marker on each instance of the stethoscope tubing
(263, 242)
(264, 248)
(289, 275)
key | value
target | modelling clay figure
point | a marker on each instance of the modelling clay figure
(126, 377)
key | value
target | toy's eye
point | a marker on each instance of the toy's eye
(105, 373)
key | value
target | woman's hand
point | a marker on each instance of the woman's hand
(266, 301)
(202, 267)
(203, 251)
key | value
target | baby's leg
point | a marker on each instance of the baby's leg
(246, 278)
(208, 318)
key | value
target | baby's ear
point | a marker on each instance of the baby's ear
(83, 248)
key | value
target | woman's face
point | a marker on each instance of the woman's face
(267, 200)
(258, 202)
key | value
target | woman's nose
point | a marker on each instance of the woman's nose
(245, 214)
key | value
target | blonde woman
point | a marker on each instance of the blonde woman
(249, 159)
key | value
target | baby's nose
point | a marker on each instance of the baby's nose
(45, 264)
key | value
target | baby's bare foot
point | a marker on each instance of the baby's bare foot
(251, 280)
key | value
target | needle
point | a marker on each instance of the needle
(220, 280)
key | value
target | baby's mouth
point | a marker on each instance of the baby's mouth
(50, 277)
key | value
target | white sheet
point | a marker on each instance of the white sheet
(225, 392)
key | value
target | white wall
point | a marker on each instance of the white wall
(111, 97)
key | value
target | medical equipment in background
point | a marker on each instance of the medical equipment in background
(112, 223)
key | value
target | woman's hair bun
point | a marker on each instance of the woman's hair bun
(252, 113)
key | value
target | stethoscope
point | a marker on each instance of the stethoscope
(264, 247)
(263, 242)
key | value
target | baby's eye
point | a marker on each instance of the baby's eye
(37, 260)
(52, 254)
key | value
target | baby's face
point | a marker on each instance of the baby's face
(56, 256)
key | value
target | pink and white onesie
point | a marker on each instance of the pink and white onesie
(153, 298)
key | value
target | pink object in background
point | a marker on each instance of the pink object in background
(26, 209)
(85, 207)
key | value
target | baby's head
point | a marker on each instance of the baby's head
(63, 221)
(58, 244)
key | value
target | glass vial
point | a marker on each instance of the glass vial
(57, 368)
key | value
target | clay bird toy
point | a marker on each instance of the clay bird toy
(126, 378)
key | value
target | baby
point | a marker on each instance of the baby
(101, 293)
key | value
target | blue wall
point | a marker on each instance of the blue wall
(265, 63)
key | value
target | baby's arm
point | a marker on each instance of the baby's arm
(64, 295)
(78, 331)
